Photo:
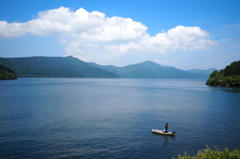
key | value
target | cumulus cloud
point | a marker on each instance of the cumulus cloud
(88, 35)
(182, 38)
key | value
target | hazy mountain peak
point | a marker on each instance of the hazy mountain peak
(145, 64)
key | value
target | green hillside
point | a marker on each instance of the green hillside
(230, 76)
(6, 73)
(54, 67)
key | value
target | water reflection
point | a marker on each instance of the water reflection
(225, 89)
(165, 139)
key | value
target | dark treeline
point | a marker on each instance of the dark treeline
(230, 76)
(6, 73)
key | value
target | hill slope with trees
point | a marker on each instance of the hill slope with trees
(6, 73)
(54, 67)
(230, 76)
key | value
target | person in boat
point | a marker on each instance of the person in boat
(166, 126)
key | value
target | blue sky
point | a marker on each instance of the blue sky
(186, 34)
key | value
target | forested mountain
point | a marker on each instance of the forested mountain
(73, 67)
(54, 67)
(148, 69)
(230, 76)
(6, 73)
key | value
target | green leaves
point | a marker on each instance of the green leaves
(230, 76)
(212, 154)
(6, 73)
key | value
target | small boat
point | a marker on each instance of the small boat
(163, 132)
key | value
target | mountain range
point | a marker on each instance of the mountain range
(73, 67)
(202, 73)
(150, 69)
(54, 67)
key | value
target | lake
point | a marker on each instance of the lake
(113, 118)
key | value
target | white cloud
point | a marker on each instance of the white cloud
(9, 30)
(63, 41)
(94, 37)
(182, 38)
(160, 62)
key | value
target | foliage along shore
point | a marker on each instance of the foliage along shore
(6, 73)
(212, 154)
(228, 77)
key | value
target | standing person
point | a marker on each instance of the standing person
(166, 126)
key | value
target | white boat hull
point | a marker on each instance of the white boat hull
(162, 132)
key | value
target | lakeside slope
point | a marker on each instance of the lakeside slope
(229, 76)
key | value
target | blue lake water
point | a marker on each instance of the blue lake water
(113, 118)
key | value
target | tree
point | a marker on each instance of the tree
(6, 73)
(212, 154)
(214, 74)
(230, 76)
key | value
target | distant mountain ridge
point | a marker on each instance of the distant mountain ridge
(40, 66)
(149, 69)
(203, 73)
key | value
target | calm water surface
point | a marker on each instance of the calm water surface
(113, 118)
